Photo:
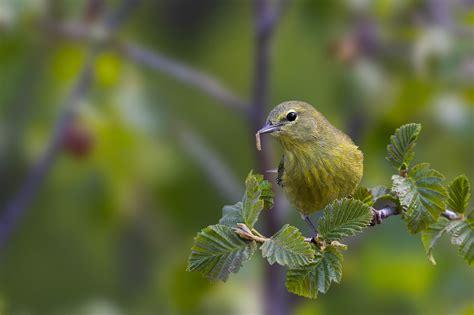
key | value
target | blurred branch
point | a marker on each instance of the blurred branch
(154, 60)
(16, 207)
(267, 15)
(210, 162)
(184, 73)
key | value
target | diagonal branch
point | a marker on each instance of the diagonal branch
(217, 171)
(16, 207)
(184, 73)
(156, 61)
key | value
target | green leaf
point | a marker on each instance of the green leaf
(258, 195)
(267, 193)
(232, 214)
(288, 248)
(462, 234)
(459, 193)
(316, 277)
(431, 236)
(364, 195)
(218, 251)
(400, 149)
(379, 191)
(344, 217)
(421, 195)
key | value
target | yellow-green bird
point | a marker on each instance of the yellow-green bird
(320, 163)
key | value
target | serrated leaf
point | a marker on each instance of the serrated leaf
(232, 214)
(344, 217)
(384, 197)
(364, 195)
(288, 248)
(316, 277)
(218, 251)
(421, 195)
(258, 195)
(459, 193)
(379, 191)
(462, 234)
(400, 149)
(267, 193)
(431, 236)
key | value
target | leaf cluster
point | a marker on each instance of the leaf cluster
(425, 204)
(417, 194)
(221, 249)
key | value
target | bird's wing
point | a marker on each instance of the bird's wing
(281, 169)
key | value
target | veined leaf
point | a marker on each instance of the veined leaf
(232, 214)
(459, 193)
(316, 277)
(379, 191)
(258, 195)
(421, 195)
(364, 195)
(344, 217)
(462, 234)
(267, 192)
(218, 251)
(400, 149)
(288, 248)
(431, 236)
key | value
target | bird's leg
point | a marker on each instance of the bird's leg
(310, 223)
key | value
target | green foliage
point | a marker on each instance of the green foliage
(462, 234)
(417, 194)
(218, 251)
(459, 193)
(379, 191)
(232, 214)
(364, 195)
(431, 236)
(421, 195)
(343, 218)
(400, 150)
(258, 196)
(288, 248)
(316, 277)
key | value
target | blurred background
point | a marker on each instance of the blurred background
(142, 115)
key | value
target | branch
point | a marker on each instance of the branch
(16, 207)
(184, 73)
(388, 211)
(215, 168)
(266, 21)
(156, 61)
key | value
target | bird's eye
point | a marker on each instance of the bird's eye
(291, 116)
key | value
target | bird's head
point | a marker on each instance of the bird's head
(295, 122)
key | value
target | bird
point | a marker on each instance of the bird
(320, 163)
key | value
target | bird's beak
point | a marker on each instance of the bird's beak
(268, 128)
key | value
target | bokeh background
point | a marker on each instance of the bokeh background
(150, 156)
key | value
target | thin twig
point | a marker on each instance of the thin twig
(16, 207)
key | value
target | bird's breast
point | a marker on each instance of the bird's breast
(312, 179)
